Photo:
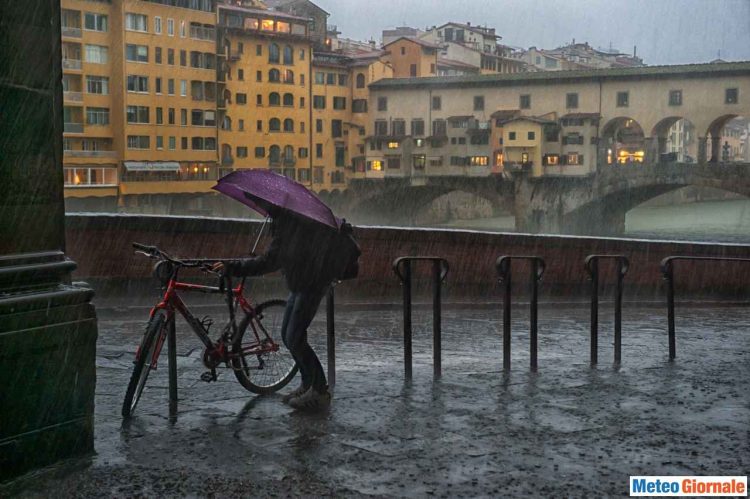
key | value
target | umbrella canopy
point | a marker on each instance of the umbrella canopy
(253, 188)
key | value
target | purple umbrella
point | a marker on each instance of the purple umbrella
(255, 187)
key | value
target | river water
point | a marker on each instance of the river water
(725, 221)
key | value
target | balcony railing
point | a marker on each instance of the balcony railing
(73, 96)
(201, 33)
(71, 32)
(71, 64)
(290, 161)
(90, 154)
(73, 128)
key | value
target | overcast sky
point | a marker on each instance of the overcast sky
(665, 31)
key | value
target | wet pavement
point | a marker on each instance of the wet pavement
(567, 430)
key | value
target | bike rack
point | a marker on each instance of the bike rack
(591, 264)
(440, 269)
(667, 270)
(331, 337)
(503, 268)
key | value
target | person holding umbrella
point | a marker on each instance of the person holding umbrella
(311, 247)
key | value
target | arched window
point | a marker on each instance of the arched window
(226, 124)
(274, 154)
(288, 125)
(274, 99)
(288, 153)
(274, 125)
(226, 154)
(273, 53)
(288, 100)
(288, 55)
(274, 75)
(227, 96)
(288, 76)
(361, 80)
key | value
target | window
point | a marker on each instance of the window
(675, 97)
(259, 76)
(97, 116)
(157, 25)
(259, 49)
(241, 125)
(439, 128)
(274, 125)
(531, 135)
(381, 128)
(170, 57)
(138, 141)
(479, 160)
(157, 85)
(623, 99)
(137, 114)
(574, 159)
(479, 103)
(241, 98)
(157, 55)
(288, 125)
(319, 102)
(319, 126)
(318, 150)
(172, 143)
(136, 53)
(731, 96)
(170, 116)
(170, 86)
(302, 54)
(418, 161)
(274, 75)
(318, 175)
(339, 102)
(288, 55)
(137, 83)
(511, 135)
(241, 74)
(550, 160)
(302, 152)
(95, 22)
(360, 80)
(301, 80)
(260, 152)
(159, 116)
(393, 163)
(320, 78)
(273, 53)
(437, 103)
(160, 142)
(343, 80)
(97, 54)
(288, 76)
(375, 165)
(417, 128)
(288, 100)
(524, 101)
(398, 128)
(170, 27)
(382, 103)
(183, 31)
(340, 155)
(274, 99)
(241, 151)
(97, 85)
(183, 88)
(303, 175)
(302, 102)
(571, 101)
(136, 22)
(331, 79)
(183, 58)
(336, 128)
(359, 106)
(259, 125)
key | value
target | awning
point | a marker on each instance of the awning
(145, 166)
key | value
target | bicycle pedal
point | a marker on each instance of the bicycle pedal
(209, 376)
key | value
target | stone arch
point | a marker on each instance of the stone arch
(724, 139)
(623, 141)
(674, 138)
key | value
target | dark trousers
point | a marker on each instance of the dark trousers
(300, 311)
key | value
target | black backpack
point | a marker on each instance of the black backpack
(347, 253)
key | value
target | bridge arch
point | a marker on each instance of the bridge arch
(624, 141)
(677, 136)
(727, 139)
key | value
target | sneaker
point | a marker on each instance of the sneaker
(312, 400)
(295, 393)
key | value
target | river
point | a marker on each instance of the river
(710, 221)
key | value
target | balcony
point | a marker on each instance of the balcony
(90, 154)
(73, 128)
(73, 96)
(71, 64)
(70, 32)
(289, 161)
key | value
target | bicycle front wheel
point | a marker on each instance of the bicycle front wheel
(261, 362)
(143, 364)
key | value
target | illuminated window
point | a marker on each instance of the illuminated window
(551, 160)
(392, 145)
(250, 23)
(283, 27)
(575, 159)
(266, 25)
(418, 161)
(418, 142)
(524, 157)
(479, 160)
(376, 165)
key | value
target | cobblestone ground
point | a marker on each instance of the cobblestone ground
(567, 430)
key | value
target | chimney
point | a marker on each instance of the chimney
(468, 23)
(635, 51)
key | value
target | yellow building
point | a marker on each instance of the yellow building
(412, 57)
(264, 87)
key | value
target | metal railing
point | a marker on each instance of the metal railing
(667, 269)
(70, 31)
(71, 63)
(403, 269)
(73, 96)
(504, 274)
(591, 264)
(90, 154)
(73, 127)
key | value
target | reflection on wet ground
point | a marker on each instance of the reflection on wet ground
(567, 430)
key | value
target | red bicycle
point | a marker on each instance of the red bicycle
(251, 349)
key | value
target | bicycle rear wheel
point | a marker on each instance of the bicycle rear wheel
(261, 362)
(151, 338)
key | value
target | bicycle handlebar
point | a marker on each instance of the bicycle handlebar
(153, 252)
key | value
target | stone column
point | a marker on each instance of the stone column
(47, 324)
(715, 149)
(702, 156)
